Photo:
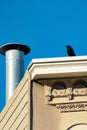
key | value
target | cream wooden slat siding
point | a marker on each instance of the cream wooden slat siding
(16, 114)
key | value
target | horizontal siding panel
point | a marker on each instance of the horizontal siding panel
(26, 127)
(16, 121)
(15, 111)
(21, 117)
(24, 121)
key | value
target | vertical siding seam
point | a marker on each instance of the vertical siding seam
(31, 106)
(29, 100)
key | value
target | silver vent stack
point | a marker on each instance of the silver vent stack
(14, 65)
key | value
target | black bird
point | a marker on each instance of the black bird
(70, 51)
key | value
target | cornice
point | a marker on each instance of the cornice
(58, 67)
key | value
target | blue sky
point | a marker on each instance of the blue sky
(46, 26)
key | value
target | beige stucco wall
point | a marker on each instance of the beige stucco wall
(45, 117)
(71, 119)
(15, 115)
(48, 117)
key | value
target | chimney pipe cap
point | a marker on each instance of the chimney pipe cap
(11, 46)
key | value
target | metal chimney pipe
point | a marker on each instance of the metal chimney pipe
(14, 65)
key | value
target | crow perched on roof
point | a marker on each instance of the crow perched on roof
(70, 51)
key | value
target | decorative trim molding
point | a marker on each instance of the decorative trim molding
(58, 67)
(67, 98)
(69, 92)
(72, 107)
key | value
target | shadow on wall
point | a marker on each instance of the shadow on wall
(81, 126)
